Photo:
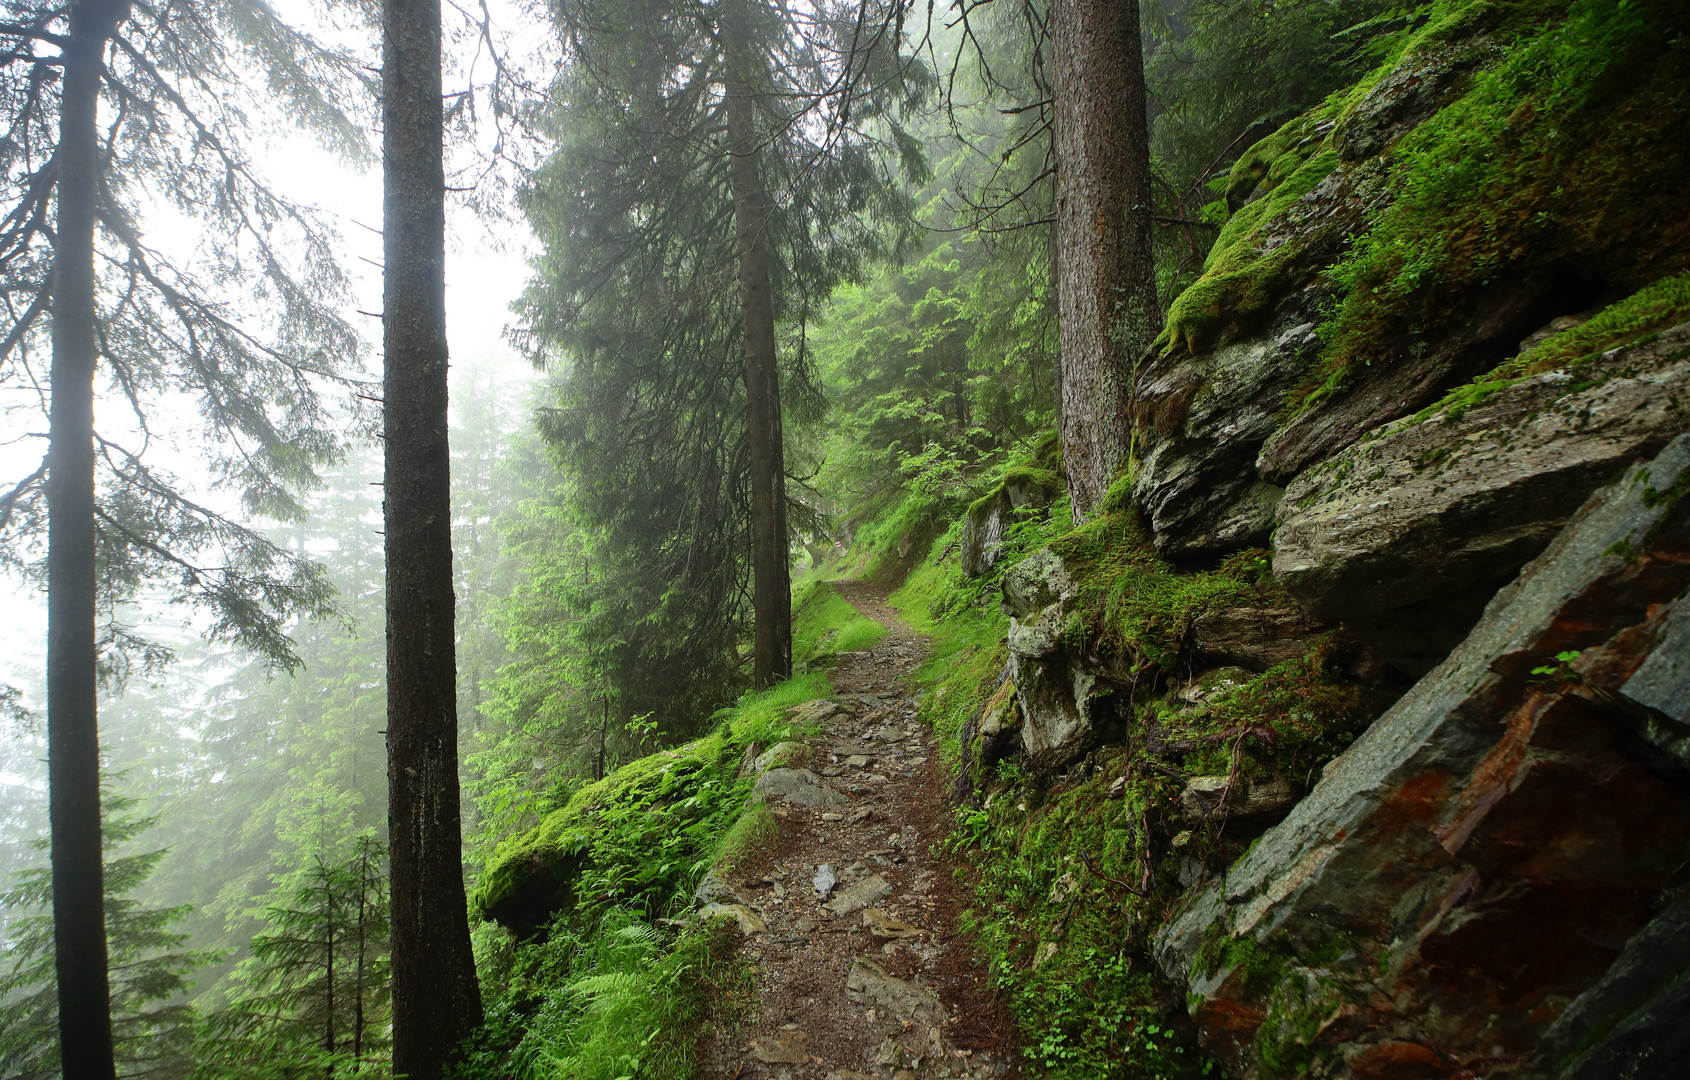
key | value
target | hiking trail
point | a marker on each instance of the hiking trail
(861, 972)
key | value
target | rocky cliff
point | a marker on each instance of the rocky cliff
(1384, 635)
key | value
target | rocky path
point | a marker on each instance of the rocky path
(853, 906)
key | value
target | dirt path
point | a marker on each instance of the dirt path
(866, 976)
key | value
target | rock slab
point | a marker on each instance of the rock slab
(1481, 856)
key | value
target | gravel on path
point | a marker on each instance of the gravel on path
(860, 970)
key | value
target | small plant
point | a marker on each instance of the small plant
(1559, 670)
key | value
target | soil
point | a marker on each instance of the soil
(805, 1023)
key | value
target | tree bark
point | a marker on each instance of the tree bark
(73, 737)
(771, 594)
(436, 999)
(1106, 285)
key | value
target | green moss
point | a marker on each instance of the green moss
(1653, 308)
(1273, 159)
(1242, 281)
(1565, 156)
(1021, 476)
(640, 837)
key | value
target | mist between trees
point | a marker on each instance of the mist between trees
(793, 262)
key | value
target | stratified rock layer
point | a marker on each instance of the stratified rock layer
(1480, 857)
(1464, 497)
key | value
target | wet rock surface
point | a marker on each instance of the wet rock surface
(860, 973)
(1463, 498)
(1476, 881)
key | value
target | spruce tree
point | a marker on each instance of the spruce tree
(313, 996)
(153, 1027)
(436, 998)
(126, 320)
(687, 221)
(1105, 264)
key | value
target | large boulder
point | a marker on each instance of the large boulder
(1481, 856)
(1462, 498)
(1217, 446)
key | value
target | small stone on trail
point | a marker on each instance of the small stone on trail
(833, 817)
(859, 760)
(914, 761)
(749, 921)
(825, 880)
(860, 895)
(788, 1049)
(882, 925)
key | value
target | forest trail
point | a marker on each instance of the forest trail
(869, 978)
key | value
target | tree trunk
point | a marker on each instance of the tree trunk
(1106, 284)
(73, 737)
(771, 596)
(436, 1000)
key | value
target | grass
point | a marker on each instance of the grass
(825, 624)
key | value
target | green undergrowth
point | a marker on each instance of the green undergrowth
(640, 837)
(1067, 942)
(825, 624)
(623, 999)
(964, 622)
(1565, 158)
(612, 985)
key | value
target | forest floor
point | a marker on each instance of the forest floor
(866, 975)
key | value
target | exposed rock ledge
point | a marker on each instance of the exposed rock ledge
(1461, 499)
(1464, 880)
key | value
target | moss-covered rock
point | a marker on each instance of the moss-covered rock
(643, 836)
(1023, 492)
(1466, 496)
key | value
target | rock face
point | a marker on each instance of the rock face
(1022, 492)
(1484, 878)
(1254, 638)
(1064, 709)
(1464, 497)
(1245, 423)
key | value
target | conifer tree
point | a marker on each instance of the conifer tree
(436, 998)
(73, 256)
(686, 219)
(153, 1027)
(313, 994)
(1105, 264)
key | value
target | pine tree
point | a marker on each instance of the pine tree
(152, 1026)
(436, 999)
(1105, 264)
(314, 993)
(113, 521)
(686, 223)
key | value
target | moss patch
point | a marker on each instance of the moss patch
(641, 837)
(1564, 158)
